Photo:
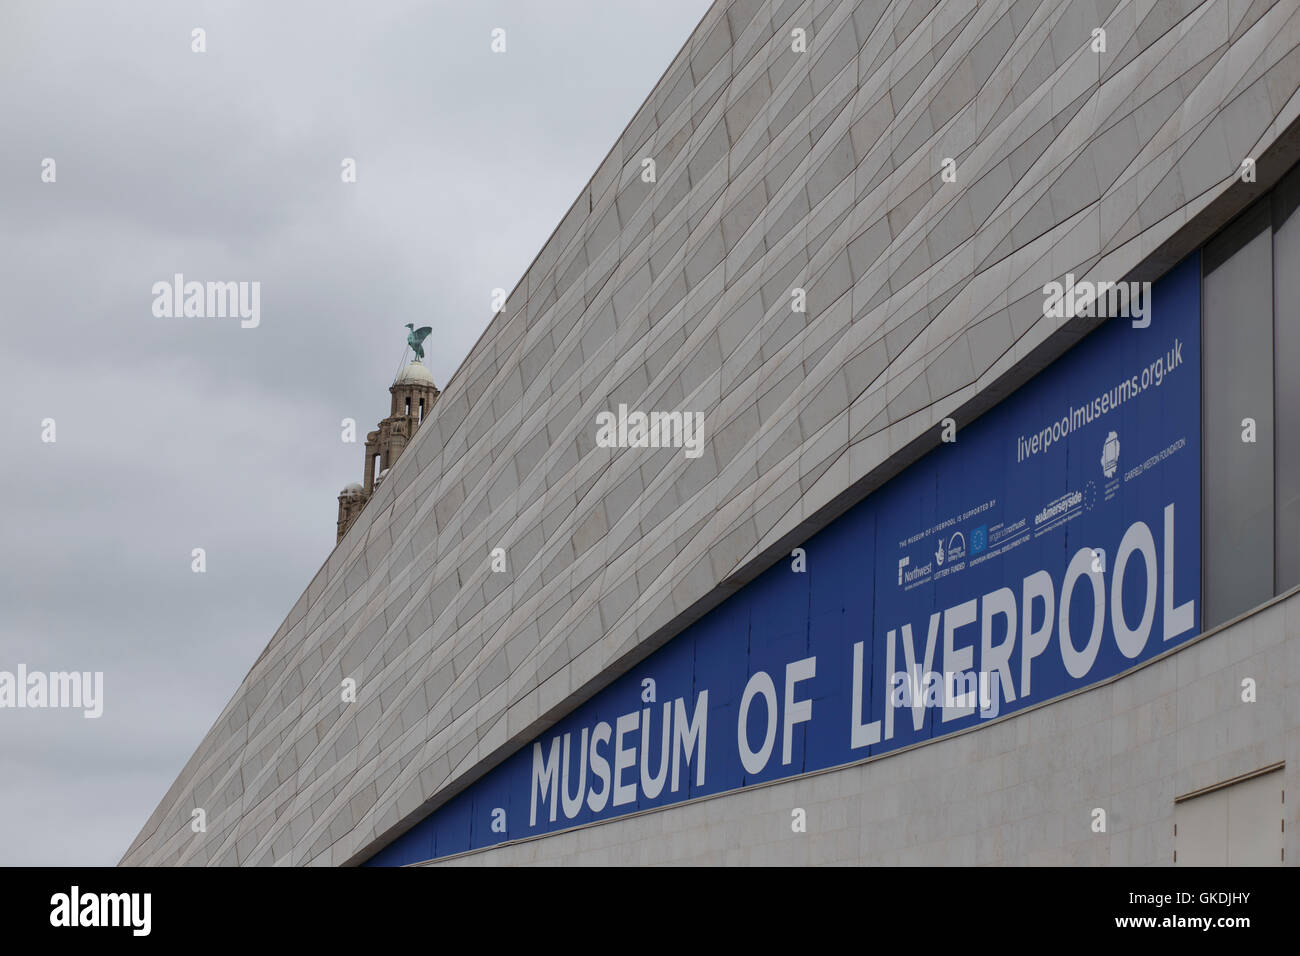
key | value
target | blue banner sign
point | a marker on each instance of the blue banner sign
(1054, 544)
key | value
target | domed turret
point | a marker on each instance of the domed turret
(414, 393)
(352, 499)
(414, 374)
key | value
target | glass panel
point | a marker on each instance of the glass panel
(1286, 359)
(1237, 376)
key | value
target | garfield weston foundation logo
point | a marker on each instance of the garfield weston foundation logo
(1110, 455)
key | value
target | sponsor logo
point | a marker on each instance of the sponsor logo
(1110, 455)
(1060, 506)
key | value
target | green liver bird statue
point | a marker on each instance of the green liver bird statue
(415, 338)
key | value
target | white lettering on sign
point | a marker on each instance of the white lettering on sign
(558, 786)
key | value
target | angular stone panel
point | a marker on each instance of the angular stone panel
(775, 170)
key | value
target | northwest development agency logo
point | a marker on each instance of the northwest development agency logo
(1110, 455)
(908, 572)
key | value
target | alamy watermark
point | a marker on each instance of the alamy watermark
(208, 300)
(953, 690)
(129, 910)
(1109, 300)
(38, 689)
(626, 429)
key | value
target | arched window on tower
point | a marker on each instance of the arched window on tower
(421, 419)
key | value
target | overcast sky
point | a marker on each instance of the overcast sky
(179, 433)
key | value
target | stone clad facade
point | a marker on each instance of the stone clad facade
(776, 171)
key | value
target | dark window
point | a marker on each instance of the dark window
(1286, 365)
(1237, 378)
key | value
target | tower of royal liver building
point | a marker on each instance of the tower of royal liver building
(413, 394)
